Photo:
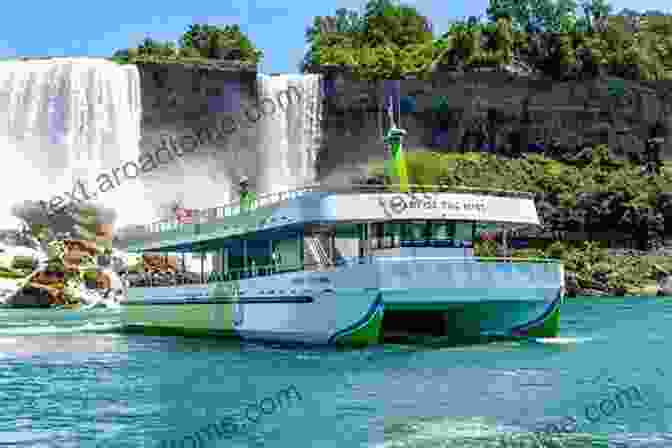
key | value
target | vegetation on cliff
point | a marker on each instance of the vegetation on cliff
(198, 44)
(392, 40)
(590, 196)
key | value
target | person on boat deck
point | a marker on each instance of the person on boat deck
(247, 197)
(253, 266)
(276, 259)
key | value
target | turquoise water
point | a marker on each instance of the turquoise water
(69, 384)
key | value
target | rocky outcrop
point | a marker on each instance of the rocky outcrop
(45, 287)
(48, 285)
(589, 287)
(664, 285)
(159, 263)
(572, 288)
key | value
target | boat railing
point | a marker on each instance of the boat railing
(204, 216)
(171, 278)
(474, 258)
(158, 278)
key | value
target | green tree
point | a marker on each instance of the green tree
(342, 30)
(349, 21)
(535, 15)
(391, 23)
(595, 10)
(149, 47)
(214, 42)
(386, 26)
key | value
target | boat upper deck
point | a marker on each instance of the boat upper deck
(319, 203)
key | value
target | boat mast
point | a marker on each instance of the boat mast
(398, 172)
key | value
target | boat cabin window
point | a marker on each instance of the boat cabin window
(389, 235)
(221, 260)
(166, 269)
(313, 248)
(256, 256)
(347, 239)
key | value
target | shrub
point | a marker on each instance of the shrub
(23, 263)
(545, 34)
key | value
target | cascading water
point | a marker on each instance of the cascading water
(272, 139)
(64, 120)
(290, 138)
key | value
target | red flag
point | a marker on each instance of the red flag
(487, 236)
(184, 216)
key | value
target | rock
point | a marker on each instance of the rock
(594, 292)
(46, 288)
(31, 297)
(119, 261)
(596, 287)
(571, 284)
(108, 279)
(159, 263)
(619, 292)
(75, 250)
(665, 285)
(109, 288)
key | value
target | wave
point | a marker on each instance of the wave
(562, 340)
(61, 329)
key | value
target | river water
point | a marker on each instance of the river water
(68, 384)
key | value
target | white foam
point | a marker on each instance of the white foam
(67, 119)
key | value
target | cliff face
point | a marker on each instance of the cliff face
(226, 124)
(177, 102)
(498, 110)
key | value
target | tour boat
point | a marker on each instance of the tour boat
(351, 265)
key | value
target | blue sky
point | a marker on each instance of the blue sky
(90, 28)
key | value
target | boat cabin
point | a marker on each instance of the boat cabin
(324, 230)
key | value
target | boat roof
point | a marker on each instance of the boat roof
(288, 211)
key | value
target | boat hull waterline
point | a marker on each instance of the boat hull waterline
(361, 304)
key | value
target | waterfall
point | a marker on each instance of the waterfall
(64, 120)
(273, 140)
(289, 138)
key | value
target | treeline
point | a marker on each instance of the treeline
(390, 41)
(199, 42)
